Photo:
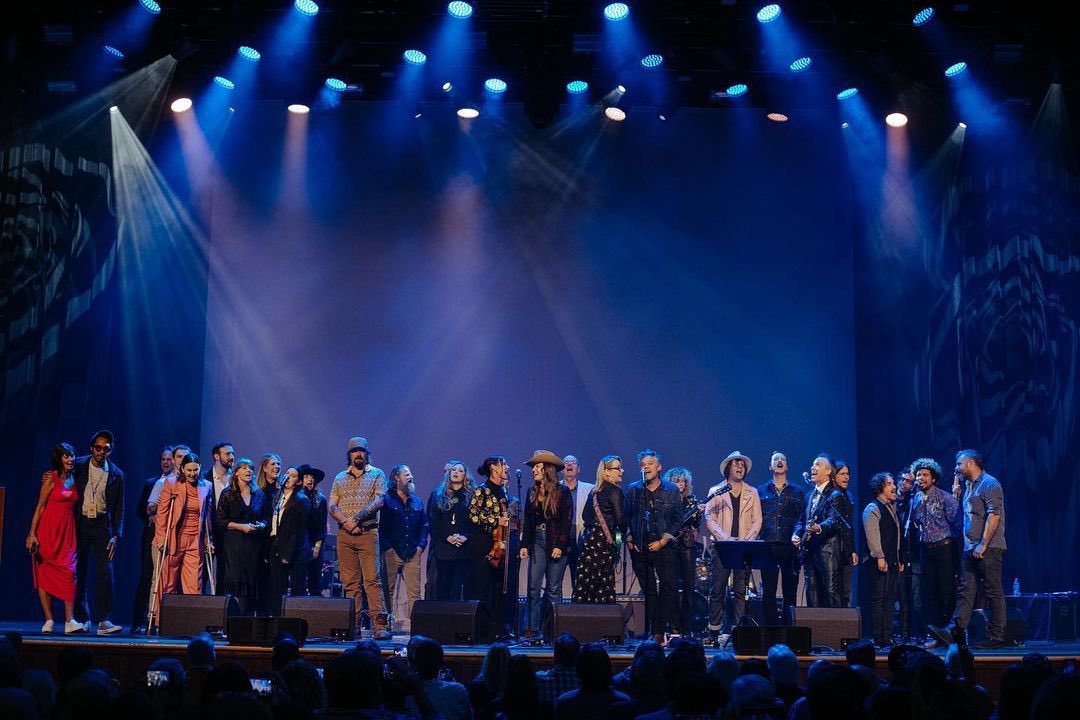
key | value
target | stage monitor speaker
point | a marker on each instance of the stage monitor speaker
(1015, 627)
(757, 639)
(587, 622)
(263, 631)
(331, 618)
(188, 615)
(633, 614)
(465, 622)
(830, 627)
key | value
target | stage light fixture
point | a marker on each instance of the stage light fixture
(113, 51)
(151, 6)
(306, 7)
(336, 84)
(737, 90)
(576, 87)
(468, 113)
(224, 82)
(459, 9)
(652, 60)
(896, 120)
(962, 126)
(299, 109)
(955, 69)
(180, 105)
(768, 13)
(847, 94)
(800, 64)
(114, 109)
(621, 89)
(777, 117)
(616, 11)
(495, 86)
(923, 16)
(249, 53)
(615, 114)
(447, 86)
(844, 125)
(414, 57)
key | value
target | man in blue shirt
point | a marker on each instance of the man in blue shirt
(403, 535)
(935, 514)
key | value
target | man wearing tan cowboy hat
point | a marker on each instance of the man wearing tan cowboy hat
(356, 497)
(733, 515)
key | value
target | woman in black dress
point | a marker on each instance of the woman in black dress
(448, 516)
(242, 514)
(596, 568)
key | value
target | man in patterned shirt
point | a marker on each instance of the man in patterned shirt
(356, 497)
(935, 514)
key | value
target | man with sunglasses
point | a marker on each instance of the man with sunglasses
(99, 525)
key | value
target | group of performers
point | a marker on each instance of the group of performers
(257, 533)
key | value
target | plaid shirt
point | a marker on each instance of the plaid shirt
(555, 682)
(352, 493)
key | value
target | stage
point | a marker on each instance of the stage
(127, 656)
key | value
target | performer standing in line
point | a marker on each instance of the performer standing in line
(935, 514)
(356, 497)
(448, 516)
(604, 522)
(180, 451)
(579, 491)
(99, 525)
(734, 515)
(817, 535)
(545, 536)
(403, 536)
(488, 513)
(685, 549)
(653, 510)
(909, 592)
(146, 539)
(220, 475)
(242, 515)
(884, 562)
(185, 518)
(269, 471)
(289, 546)
(984, 549)
(781, 508)
(310, 479)
(51, 540)
(849, 559)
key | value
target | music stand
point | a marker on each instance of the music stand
(751, 555)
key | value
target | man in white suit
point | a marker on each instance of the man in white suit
(579, 491)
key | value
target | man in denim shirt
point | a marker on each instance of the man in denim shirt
(781, 508)
(935, 514)
(984, 548)
(653, 510)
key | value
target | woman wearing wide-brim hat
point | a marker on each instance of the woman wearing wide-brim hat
(545, 539)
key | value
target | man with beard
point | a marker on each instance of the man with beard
(220, 474)
(935, 514)
(818, 535)
(781, 508)
(909, 593)
(403, 536)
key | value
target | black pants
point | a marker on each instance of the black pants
(655, 572)
(822, 569)
(453, 579)
(572, 560)
(92, 543)
(685, 578)
(910, 599)
(783, 564)
(939, 583)
(486, 585)
(985, 572)
(285, 579)
(846, 569)
(718, 595)
(883, 587)
(140, 604)
(313, 575)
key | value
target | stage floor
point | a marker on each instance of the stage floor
(127, 656)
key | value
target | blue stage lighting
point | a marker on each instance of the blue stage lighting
(800, 64)
(447, 86)
(923, 16)
(414, 57)
(737, 89)
(151, 6)
(955, 69)
(652, 60)
(335, 84)
(306, 7)
(617, 11)
(576, 87)
(495, 85)
(249, 53)
(113, 51)
(224, 82)
(459, 9)
(847, 94)
(768, 13)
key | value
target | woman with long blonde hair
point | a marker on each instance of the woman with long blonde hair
(545, 538)
(604, 522)
(448, 518)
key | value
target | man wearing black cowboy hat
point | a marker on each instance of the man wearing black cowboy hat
(310, 478)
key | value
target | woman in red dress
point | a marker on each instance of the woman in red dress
(53, 553)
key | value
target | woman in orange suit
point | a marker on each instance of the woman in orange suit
(184, 519)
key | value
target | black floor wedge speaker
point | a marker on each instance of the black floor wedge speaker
(329, 618)
(588, 622)
(757, 639)
(263, 631)
(465, 622)
(188, 615)
(831, 627)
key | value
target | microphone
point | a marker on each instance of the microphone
(722, 490)
(517, 474)
(806, 477)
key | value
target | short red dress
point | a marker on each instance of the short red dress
(54, 564)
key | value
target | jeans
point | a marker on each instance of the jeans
(939, 583)
(986, 572)
(718, 596)
(883, 586)
(543, 568)
(783, 561)
(655, 571)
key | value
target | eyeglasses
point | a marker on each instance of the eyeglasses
(617, 467)
(102, 448)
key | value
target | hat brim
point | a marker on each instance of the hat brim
(548, 458)
(728, 460)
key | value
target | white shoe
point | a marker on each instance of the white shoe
(74, 626)
(47, 627)
(105, 627)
